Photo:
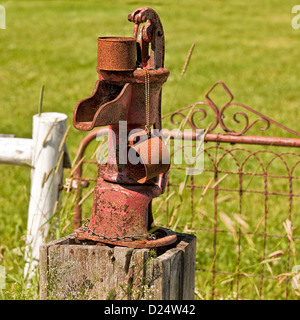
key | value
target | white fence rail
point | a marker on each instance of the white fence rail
(16, 151)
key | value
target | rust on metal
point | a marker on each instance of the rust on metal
(116, 53)
(223, 159)
(154, 155)
(199, 113)
(164, 238)
(122, 196)
(125, 94)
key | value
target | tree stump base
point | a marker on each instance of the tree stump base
(80, 270)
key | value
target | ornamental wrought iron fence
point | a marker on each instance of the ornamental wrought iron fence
(243, 207)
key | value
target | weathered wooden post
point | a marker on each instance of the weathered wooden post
(73, 269)
(117, 254)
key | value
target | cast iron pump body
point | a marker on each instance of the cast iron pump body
(129, 79)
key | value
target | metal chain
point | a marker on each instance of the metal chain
(147, 101)
(101, 236)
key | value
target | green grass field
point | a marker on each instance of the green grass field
(251, 46)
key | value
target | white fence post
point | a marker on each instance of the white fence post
(46, 176)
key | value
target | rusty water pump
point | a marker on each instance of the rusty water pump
(127, 98)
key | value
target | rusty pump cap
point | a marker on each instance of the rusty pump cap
(117, 53)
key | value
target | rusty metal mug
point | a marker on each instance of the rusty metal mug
(151, 152)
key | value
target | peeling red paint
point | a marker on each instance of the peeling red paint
(123, 194)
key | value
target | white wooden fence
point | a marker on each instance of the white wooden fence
(45, 154)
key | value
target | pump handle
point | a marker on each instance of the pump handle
(152, 33)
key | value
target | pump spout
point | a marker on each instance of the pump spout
(107, 105)
(120, 97)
